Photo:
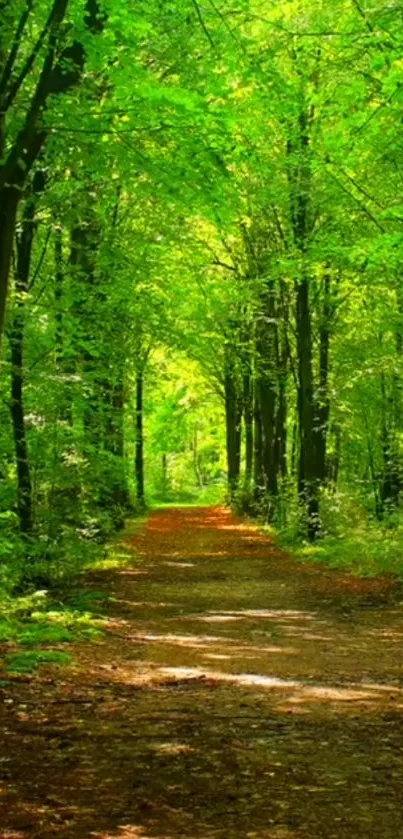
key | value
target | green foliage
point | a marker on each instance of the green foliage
(366, 552)
(8, 630)
(185, 449)
(86, 601)
(37, 620)
(188, 195)
(350, 539)
(44, 635)
(27, 662)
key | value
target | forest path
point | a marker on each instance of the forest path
(238, 693)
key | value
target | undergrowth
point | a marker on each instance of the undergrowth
(351, 538)
(26, 662)
(350, 535)
(33, 625)
(36, 621)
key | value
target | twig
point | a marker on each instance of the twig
(202, 24)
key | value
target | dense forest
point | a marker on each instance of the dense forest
(201, 248)
(201, 419)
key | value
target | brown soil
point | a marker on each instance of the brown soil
(237, 693)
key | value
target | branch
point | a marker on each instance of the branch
(40, 261)
(8, 68)
(279, 227)
(357, 201)
(224, 265)
(52, 79)
(363, 15)
(227, 26)
(40, 358)
(361, 189)
(55, 17)
(371, 29)
(202, 24)
(376, 111)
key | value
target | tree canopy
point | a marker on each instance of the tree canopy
(200, 257)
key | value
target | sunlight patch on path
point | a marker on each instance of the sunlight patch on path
(240, 678)
(286, 615)
(176, 564)
(202, 641)
(301, 692)
(134, 832)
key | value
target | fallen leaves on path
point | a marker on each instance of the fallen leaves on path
(237, 693)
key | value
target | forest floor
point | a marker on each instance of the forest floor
(236, 693)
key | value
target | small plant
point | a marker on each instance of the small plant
(27, 662)
(8, 630)
(44, 634)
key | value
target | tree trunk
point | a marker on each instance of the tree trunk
(267, 399)
(59, 276)
(323, 402)
(65, 367)
(164, 466)
(294, 448)
(333, 459)
(266, 392)
(233, 432)
(9, 199)
(299, 178)
(24, 243)
(281, 425)
(24, 486)
(139, 457)
(60, 71)
(307, 479)
(196, 466)
(114, 444)
(391, 482)
(89, 294)
(248, 423)
(390, 478)
(258, 472)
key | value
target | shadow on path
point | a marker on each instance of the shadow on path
(237, 693)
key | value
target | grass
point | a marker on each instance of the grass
(210, 495)
(352, 541)
(367, 553)
(27, 662)
(40, 629)
(44, 619)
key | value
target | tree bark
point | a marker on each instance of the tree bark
(164, 468)
(233, 415)
(114, 444)
(333, 459)
(299, 178)
(392, 472)
(9, 199)
(307, 478)
(258, 471)
(266, 393)
(196, 465)
(281, 423)
(139, 456)
(60, 71)
(65, 366)
(248, 424)
(24, 485)
(59, 277)
(24, 244)
(323, 402)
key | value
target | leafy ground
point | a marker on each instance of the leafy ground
(236, 693)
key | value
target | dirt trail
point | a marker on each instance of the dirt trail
(238, 693)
